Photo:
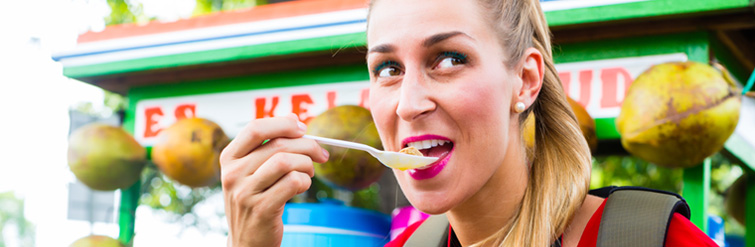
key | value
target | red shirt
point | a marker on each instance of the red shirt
(681, 232)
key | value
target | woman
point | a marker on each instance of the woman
(461, 71)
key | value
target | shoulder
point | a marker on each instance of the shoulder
(404, 236)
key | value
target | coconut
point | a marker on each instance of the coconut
(347, 168)
(96, 241)
(586, 125)
(734, 202)
(677, 114)
(105, 157)
(189, 151)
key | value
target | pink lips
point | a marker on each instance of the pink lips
(433, 169)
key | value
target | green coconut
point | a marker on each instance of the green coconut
(347, 168)
(677, 114)
(96, 241)
(105, 157)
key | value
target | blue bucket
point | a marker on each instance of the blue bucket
(331, 224)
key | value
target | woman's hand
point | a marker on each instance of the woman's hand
(259, 178)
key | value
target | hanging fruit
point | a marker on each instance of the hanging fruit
(96, 241)
(586, 124)
(105, 157)
(189, 150)
(734, 202)
(677, 114)
(348, 168)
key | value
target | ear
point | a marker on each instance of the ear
(531, 73)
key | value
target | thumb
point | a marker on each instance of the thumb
(293, 116)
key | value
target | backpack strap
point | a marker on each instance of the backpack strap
(431, 232)
(636, 216)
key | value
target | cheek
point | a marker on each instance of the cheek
(482, 115)
(479, 101)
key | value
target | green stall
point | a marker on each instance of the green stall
(307, 56)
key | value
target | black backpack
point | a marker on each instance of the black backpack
(632, 216)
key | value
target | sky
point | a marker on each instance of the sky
(34, 102)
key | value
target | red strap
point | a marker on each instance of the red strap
(448, 241)
(404, 236)
(590, 234)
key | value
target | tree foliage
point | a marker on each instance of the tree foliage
(209, 6)
(122, 12)
(633, 171)
(178, 201)
(13, 222)
(125, 11)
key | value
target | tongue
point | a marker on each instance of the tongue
(437, 151)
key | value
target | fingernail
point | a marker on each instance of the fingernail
(325, 152)
(302, 126)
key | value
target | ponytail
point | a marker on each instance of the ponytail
(559, 174)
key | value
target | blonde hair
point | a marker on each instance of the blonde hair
(559, 175)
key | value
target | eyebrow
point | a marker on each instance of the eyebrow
(428, 42)
(386, 48)
(437, 38)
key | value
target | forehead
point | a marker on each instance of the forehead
(395, 21)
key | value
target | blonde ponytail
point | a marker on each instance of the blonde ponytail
(559, 175)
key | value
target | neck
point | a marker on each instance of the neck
(495, 204)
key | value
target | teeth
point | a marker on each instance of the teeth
(427, 144)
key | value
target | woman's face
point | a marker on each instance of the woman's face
(438, 78)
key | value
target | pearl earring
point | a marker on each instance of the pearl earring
(519, 107)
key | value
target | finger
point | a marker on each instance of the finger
(259, 130)
(291, 184)
(245, 188)
(278, 166)
(265, 203)
(302, 146)
(249, 164)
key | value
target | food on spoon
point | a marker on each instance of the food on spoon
(411, 151)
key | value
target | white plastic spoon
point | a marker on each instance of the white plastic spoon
(390, 159)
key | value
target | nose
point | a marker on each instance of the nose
(414, 101)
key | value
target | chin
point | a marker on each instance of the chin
(431, 204)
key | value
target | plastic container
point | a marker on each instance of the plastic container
(332, 224)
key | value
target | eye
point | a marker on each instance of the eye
(387, 69)
(449, 59)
